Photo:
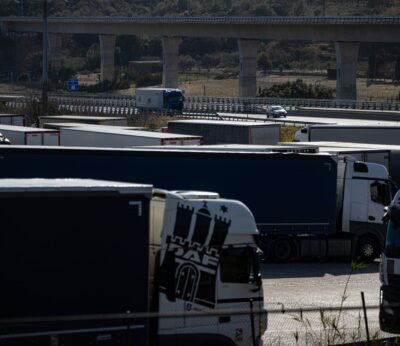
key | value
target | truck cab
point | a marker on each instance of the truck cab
(159, 99)
(389, 308)
(302, 134)
(209, 275)
(366, 192)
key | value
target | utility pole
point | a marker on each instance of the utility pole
(45, 77)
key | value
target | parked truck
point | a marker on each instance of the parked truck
(12, 119)
(378, 134)
(22, 135)
(119, 138)
(389, 308)
(384, 154)
(111, 263)
(4, 140)
(304, 204)
(84, 119)
(159, 99)
(220, 131)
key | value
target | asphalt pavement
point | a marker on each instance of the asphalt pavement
(299, 295)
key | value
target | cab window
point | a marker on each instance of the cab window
(236, 265)
(380, 193)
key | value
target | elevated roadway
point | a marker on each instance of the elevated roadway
(343, 29)
(346, 32)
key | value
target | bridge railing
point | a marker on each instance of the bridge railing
(274, 20)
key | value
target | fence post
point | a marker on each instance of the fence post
(365, 318)
(253, 332)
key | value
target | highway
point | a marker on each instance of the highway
(302, 120)
(196, 106)
(314, 285)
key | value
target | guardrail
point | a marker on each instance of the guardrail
(124, 105)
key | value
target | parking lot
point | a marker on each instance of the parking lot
(315, 287)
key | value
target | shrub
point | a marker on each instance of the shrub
(298, 89)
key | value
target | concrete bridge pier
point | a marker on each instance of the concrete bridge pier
(346, 68)
(107, 49)
(55, 43)
(170, 61)
(248, 65)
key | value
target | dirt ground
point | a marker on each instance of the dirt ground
(366, 90)
(197, 86)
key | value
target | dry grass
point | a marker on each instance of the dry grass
(197, 86)
(366, 90)
(229, 87)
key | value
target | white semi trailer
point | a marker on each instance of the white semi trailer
(12, 119)
(221, 131)
(22, 135)
(117, 138)
(378, 134)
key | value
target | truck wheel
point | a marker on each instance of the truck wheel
(282, 250)
(367, 249)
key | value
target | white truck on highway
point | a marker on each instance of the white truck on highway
(159, 99)
(115, 263)
(378, 134)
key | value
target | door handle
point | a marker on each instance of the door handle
(371, 218)
(224, 319)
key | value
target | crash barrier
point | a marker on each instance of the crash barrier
(124, 105)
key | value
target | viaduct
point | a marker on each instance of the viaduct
(346, 32)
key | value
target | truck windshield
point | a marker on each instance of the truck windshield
(392, 248)
(239, 265)
(175, 96)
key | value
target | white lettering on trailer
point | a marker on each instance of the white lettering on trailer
(138, 205)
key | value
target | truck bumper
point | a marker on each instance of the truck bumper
(389, 309)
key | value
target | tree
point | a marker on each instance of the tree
(264, 62)
(208, 61)
(186, 62)
(298, 89)
(93, 57)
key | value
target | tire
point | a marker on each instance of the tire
(367, 249)
(282, 250)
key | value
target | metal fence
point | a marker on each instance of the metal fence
(323, 325)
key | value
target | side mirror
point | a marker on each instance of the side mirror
(255, 279)
(169, 267)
